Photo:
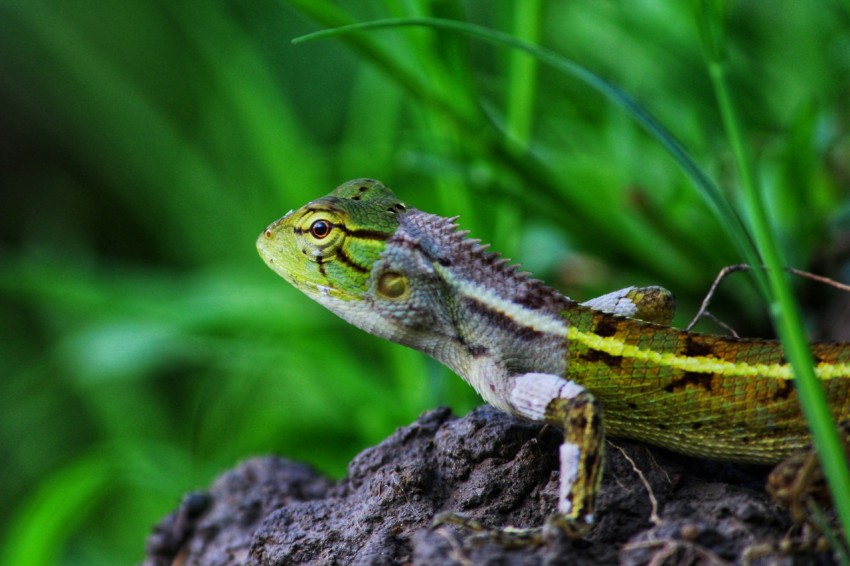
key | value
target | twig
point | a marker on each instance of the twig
(703, 309)
(654, 518)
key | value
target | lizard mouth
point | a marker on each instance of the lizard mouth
(307, 274)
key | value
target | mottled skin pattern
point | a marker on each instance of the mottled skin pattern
(413, 278)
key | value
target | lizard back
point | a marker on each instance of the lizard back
(700, 394)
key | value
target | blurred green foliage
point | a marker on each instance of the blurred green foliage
(144, 346)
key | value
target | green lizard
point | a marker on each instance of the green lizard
(414, 278)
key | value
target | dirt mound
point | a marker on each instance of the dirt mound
(489, 466)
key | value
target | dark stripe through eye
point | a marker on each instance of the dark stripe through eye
(320, 229)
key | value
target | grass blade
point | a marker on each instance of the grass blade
(783, 307)
(706, 187)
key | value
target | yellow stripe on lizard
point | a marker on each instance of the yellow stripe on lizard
(616, 347)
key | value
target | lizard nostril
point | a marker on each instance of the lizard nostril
(268, 234)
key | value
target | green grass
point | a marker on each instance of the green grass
(146, 348)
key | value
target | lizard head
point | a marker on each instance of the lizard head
(328, 247)
(351, 252)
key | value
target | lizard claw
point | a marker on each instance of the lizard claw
(458, 520)
(507, 537)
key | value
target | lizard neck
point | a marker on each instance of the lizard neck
(493, 321)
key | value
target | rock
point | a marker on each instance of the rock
(489, 466)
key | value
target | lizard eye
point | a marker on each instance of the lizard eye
(320, 229)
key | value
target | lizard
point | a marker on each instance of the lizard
(612, 365)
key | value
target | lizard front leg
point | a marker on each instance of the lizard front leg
(551, 399)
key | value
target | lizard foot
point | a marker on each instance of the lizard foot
(507, 537)
(799, 485)
(513, 537)
(793, 547)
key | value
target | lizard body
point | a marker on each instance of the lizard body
(415, 279)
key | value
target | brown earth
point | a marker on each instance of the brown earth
(491, 467)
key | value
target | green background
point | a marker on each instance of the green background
(144, 346)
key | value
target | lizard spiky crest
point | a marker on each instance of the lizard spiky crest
(442, 241)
